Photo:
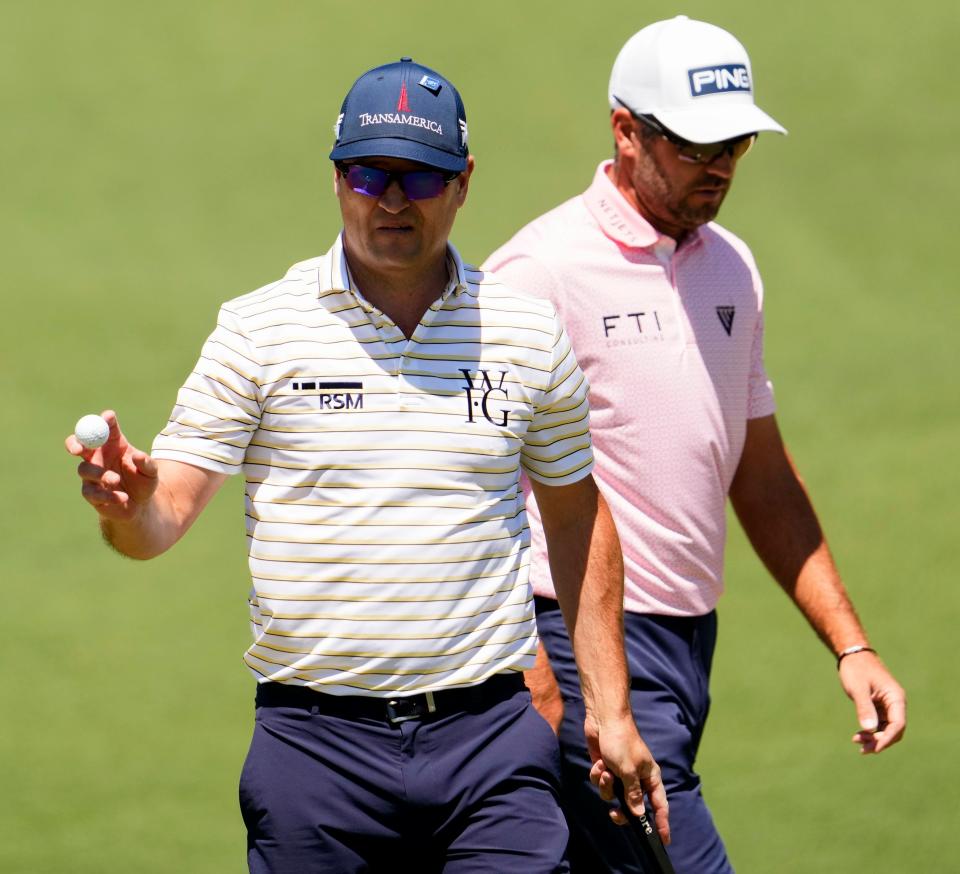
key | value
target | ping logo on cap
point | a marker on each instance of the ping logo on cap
(717, 80)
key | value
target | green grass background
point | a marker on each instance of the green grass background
(158, 158)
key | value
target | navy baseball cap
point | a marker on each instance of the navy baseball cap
(403, 110)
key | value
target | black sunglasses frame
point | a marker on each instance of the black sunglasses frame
(694, 153)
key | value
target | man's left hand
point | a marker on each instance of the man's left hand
(879, 699)
(617, 750)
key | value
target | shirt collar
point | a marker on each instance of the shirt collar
(337, 277)
(458, 276)
(619, 219)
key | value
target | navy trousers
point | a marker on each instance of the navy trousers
(669, 660)
(462, 791)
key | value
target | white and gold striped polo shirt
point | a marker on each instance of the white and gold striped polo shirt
(388, 541)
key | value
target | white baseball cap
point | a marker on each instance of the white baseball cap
(693, 77)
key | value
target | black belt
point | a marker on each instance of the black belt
(393, 710)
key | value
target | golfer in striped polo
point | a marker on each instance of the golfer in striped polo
(381, 402)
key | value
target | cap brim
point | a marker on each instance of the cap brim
(394, 147)
(712, 125)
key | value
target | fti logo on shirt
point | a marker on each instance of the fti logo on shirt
(631, 329)
(717, 80)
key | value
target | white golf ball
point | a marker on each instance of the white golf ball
(92, 431)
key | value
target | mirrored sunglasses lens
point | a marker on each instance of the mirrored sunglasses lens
(704, 153)
(369, 181)
(422, 185)
(741, 147)
(701, 153)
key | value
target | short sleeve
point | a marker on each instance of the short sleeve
(219, 406)
(557, 450)
(523, 272)
(760, 401)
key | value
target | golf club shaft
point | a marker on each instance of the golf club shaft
(646, 839)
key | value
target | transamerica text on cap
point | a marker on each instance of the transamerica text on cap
(398, 118)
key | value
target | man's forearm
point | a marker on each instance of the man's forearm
(779, 519)
(544, 689)
(587, 569)
(148, 533)
(154, 524)
(810, 579)
(821, 596)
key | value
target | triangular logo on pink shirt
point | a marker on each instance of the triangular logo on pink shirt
(726, 314)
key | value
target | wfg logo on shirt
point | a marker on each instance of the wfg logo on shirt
(480, 390)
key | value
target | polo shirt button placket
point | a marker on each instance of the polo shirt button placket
(664, 251)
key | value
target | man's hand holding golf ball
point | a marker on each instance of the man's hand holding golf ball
(145, 505)
(118, 479)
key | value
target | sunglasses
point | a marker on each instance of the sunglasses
(415, 184)
(696, 153)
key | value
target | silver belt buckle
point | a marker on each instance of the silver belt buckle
(404, 709)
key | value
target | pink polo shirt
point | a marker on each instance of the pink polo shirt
(671, 340)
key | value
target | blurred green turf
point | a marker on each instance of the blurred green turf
(157, 159)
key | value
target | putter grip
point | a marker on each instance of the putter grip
(647, 840)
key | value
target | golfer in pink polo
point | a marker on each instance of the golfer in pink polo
(665, 312)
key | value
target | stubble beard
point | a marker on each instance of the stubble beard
(671, 203)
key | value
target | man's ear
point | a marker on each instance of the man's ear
(463, 180)
(624, 132)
